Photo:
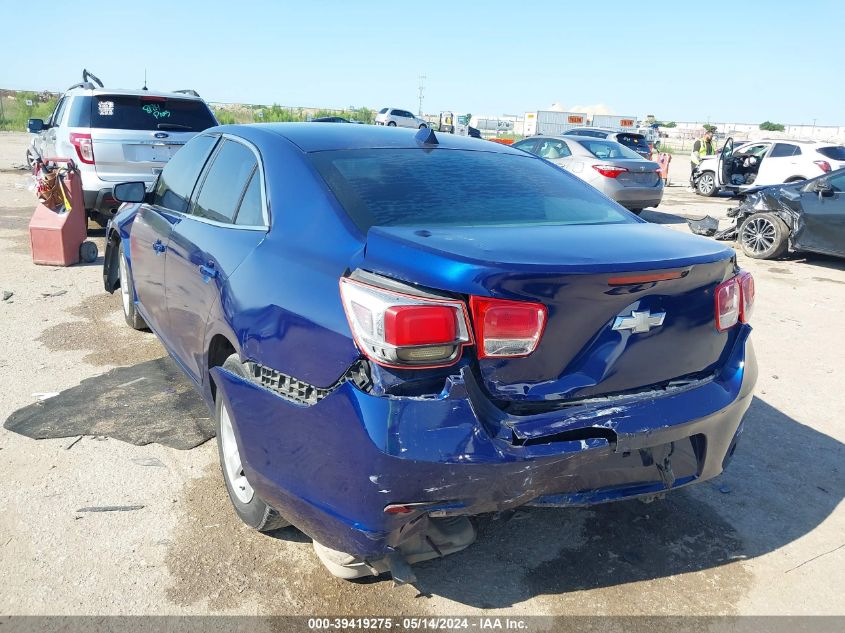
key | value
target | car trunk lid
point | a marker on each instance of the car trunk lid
(590, 278)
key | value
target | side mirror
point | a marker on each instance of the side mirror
(130, 192)
(823, 188)
(33, 126)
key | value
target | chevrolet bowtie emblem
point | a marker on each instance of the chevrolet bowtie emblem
(639, 322)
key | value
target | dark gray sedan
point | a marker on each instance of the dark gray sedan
(618, 172)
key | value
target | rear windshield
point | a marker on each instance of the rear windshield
(834, 152)
(120, 112)
(420, 187)
(608, 149)
(633, 140)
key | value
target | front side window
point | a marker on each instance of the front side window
(423, 187)
(382, 111)
(177, 179)
(225, 182)
(56, 117)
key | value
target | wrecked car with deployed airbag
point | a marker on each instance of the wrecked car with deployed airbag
(397, 331)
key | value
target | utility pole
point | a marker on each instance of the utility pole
(813, 133)
(421, 89)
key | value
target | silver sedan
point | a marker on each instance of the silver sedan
(618, 172)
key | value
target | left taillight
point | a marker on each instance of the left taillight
(734, 301)
(507, 328)
(396, 329)
(84, 147)
(823, 165)
(610, 171)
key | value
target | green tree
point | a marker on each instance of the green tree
(768, 126)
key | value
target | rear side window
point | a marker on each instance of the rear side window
(80, 112)
(833, 152)
(782, 150)
(176, 182)
(421, 187)
(250, 212)
(633, 140)
(123, 112)
(225, 182)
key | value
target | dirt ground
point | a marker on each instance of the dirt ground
(764, 538)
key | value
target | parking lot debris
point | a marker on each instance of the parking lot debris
(110, 508)
(57, 293)
(73, 443)
(41, 396)
(8, 294)
(706, 226)
(148, 461)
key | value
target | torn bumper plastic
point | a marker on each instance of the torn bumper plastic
(332, 468)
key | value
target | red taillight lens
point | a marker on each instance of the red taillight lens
(610, 171)
(84, 147)
(398, 329)
(728, 304)
(823, 165)
(420, 325)
(506, 328)
(746, 286)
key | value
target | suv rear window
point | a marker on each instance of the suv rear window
(637, 141)
(124, 112)
(834, 152)
(422, 187)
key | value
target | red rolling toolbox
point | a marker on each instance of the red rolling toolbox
(59, 226)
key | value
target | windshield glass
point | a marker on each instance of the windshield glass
(423, 187)
(121, 112)
(607, 150)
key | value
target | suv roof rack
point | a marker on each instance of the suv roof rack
(85, 83)
(193, 93)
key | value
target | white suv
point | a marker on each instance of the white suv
(766, 162)
(117, 136)
(402, 118)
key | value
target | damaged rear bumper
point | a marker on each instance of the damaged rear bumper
(332, 467)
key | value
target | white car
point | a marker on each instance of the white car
(766, 162)
(394, 117)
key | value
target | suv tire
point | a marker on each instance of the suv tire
(706, 184)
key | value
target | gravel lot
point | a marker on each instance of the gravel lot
(764, 538)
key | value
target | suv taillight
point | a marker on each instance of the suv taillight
(84, 147)
(823, 165)
(734, 301)
(396, 329)
(506, 328)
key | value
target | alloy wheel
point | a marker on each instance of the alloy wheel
(758, 235)
(232, 459)
(706, 184)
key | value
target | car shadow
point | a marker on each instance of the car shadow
(752, 509)
(662, 217)
(814, 259)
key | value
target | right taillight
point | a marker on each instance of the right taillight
(746, 287)
(506, 328)
(734, 301)
(398, 329)
(823, 165)
(84, 147)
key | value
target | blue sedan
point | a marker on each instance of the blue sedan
(397, 330)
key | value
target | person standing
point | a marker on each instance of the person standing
(704, 146)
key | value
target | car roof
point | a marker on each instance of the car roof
(319, 138)
(134, 93)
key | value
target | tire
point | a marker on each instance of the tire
(30, 159)
(422, 127)
(88, 252)
(706, 184)
(794, 179)
(249, 507)
(763, 236)
(635, 211)
(391, 124)
(127, 293)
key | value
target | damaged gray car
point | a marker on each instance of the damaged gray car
(807, 216)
